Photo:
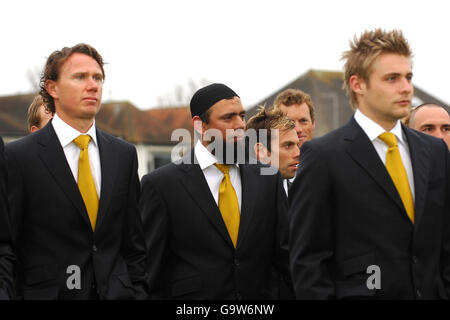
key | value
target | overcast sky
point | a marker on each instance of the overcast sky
(255, 47)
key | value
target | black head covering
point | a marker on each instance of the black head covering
(207, 96)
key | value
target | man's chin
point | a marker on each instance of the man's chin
(288, 175)
(89, 113)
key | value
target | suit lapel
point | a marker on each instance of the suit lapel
(108, 161)
(420, 159)
(195, 184)
(52, 155)
(361, 149)
(249, 184)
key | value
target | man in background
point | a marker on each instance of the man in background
(431, 119)
(298, 106)
(38, 115)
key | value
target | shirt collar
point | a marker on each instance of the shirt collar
(66, 133)
(373, 129)
(204, 157)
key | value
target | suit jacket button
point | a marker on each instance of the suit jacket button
(237, 262)
(419, 294)
(414, 259)
(238, 296)
(94, 248)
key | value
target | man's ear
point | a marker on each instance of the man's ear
(262, 154)
(50, 86)
(357, 84)
(197, 123)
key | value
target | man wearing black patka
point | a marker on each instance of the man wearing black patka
(214, 229)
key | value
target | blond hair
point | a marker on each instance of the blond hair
(365, 49)
(290, 97)
(33, 117)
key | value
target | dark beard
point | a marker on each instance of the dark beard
(235, 152)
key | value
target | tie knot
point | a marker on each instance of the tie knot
(225, 168)
(388, 138)
(82, 141)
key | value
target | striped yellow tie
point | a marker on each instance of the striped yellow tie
(394, 166)
(85, 180)
(228, 203)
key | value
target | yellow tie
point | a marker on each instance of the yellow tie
(85, 180)
(394, 166)
(228, 203)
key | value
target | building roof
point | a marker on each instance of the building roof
(332, 105)
(119, 118)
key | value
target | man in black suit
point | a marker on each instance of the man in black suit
(7, 257)
(215, 229)
(369, 212)
(281, 150)
(73, 193)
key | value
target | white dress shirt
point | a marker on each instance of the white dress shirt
(66, 134)
(373, 130)
(214, 176)
(285, 184)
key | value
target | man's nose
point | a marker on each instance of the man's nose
(407, 86)
(439, 134)
(92, 84)
(296, 152)
(240, 123)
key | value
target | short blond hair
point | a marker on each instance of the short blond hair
(365, 49)
(290, 97)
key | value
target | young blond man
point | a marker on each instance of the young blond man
(370, 203)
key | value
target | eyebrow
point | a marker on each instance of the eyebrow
(231, 114)
(86, 72)
(396, 74)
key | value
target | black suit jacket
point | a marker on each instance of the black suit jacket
(191, 255)
(7, 257)
(346, 215)
(51, 227)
